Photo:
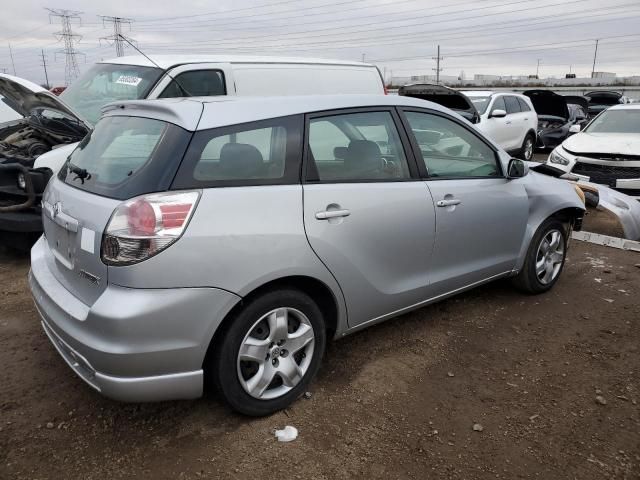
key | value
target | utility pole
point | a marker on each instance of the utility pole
(595, 55)
(438, 69)
(12, 62)
(71, 70)
(363, 55)
(538, 68)
(117, 37)
(44, 65)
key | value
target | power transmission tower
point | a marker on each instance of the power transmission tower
(71, 70)
(44, 65)
(117, 37)
(438, 69)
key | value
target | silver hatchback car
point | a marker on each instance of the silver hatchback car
(225, 240)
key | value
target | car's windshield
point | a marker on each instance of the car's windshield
(481, 103)
(106, 82)
(616, 121)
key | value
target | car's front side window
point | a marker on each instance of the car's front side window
(498, 104)
(356, 147)
(512, 104)
(449, 150)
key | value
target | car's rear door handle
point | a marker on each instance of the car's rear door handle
(327, 214)
(508, 122)
(448, 202)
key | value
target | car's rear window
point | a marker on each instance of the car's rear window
(126, 156)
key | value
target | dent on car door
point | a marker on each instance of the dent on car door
(481, 216)
(367, 215)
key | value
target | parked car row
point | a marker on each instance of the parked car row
(607, 152)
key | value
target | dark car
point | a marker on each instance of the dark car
(445, 96)
(554, 117)
(600, 100)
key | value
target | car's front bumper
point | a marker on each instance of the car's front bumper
(133, 345)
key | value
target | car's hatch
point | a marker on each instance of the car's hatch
(546, 102)
(447, 97)
(73, 222)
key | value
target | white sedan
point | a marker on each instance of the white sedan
(607, 151)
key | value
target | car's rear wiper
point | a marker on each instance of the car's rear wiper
(81, 173)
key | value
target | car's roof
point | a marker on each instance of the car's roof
(477, 93)
(227, 110)
(625, 106)
(169, 61)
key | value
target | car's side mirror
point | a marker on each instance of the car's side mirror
(498, 113)
(517, 168)
(575, 128)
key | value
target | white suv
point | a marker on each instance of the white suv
(508, 118)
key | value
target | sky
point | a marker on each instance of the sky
(499, 37)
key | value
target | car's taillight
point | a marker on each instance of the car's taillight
(146, 225)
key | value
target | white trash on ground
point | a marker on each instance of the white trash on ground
(287, 434)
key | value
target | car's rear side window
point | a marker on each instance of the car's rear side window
(258, 153)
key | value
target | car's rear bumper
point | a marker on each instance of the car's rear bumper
(132, 345)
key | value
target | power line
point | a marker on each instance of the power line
(71, 70)
(117, 37)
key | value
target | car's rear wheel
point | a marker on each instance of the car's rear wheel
(528, 145)
(545, 258)
(269, 352)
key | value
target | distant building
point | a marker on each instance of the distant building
(603, 75)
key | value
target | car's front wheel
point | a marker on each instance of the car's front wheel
(545, 258)
(526, 152)
(269, 352)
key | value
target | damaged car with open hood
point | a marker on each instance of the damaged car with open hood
(41, 123)
(555, 120)
(445, 96)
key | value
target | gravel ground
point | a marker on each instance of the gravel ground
(491, 384)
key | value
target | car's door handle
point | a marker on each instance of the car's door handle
(448, 202)
(327, 214)
(526, 119)
(508, 122)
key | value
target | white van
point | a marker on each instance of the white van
(51, 126)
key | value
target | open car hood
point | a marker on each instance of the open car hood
(447, 97)
(23, 96)
(577, 100)
(546, 102)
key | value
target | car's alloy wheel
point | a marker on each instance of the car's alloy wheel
(527, 148)
(545, 258)
(550, 256)
(267, 352)
(276, 353)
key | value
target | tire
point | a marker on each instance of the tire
(541, 268)
(528, 146)
(258, 328)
